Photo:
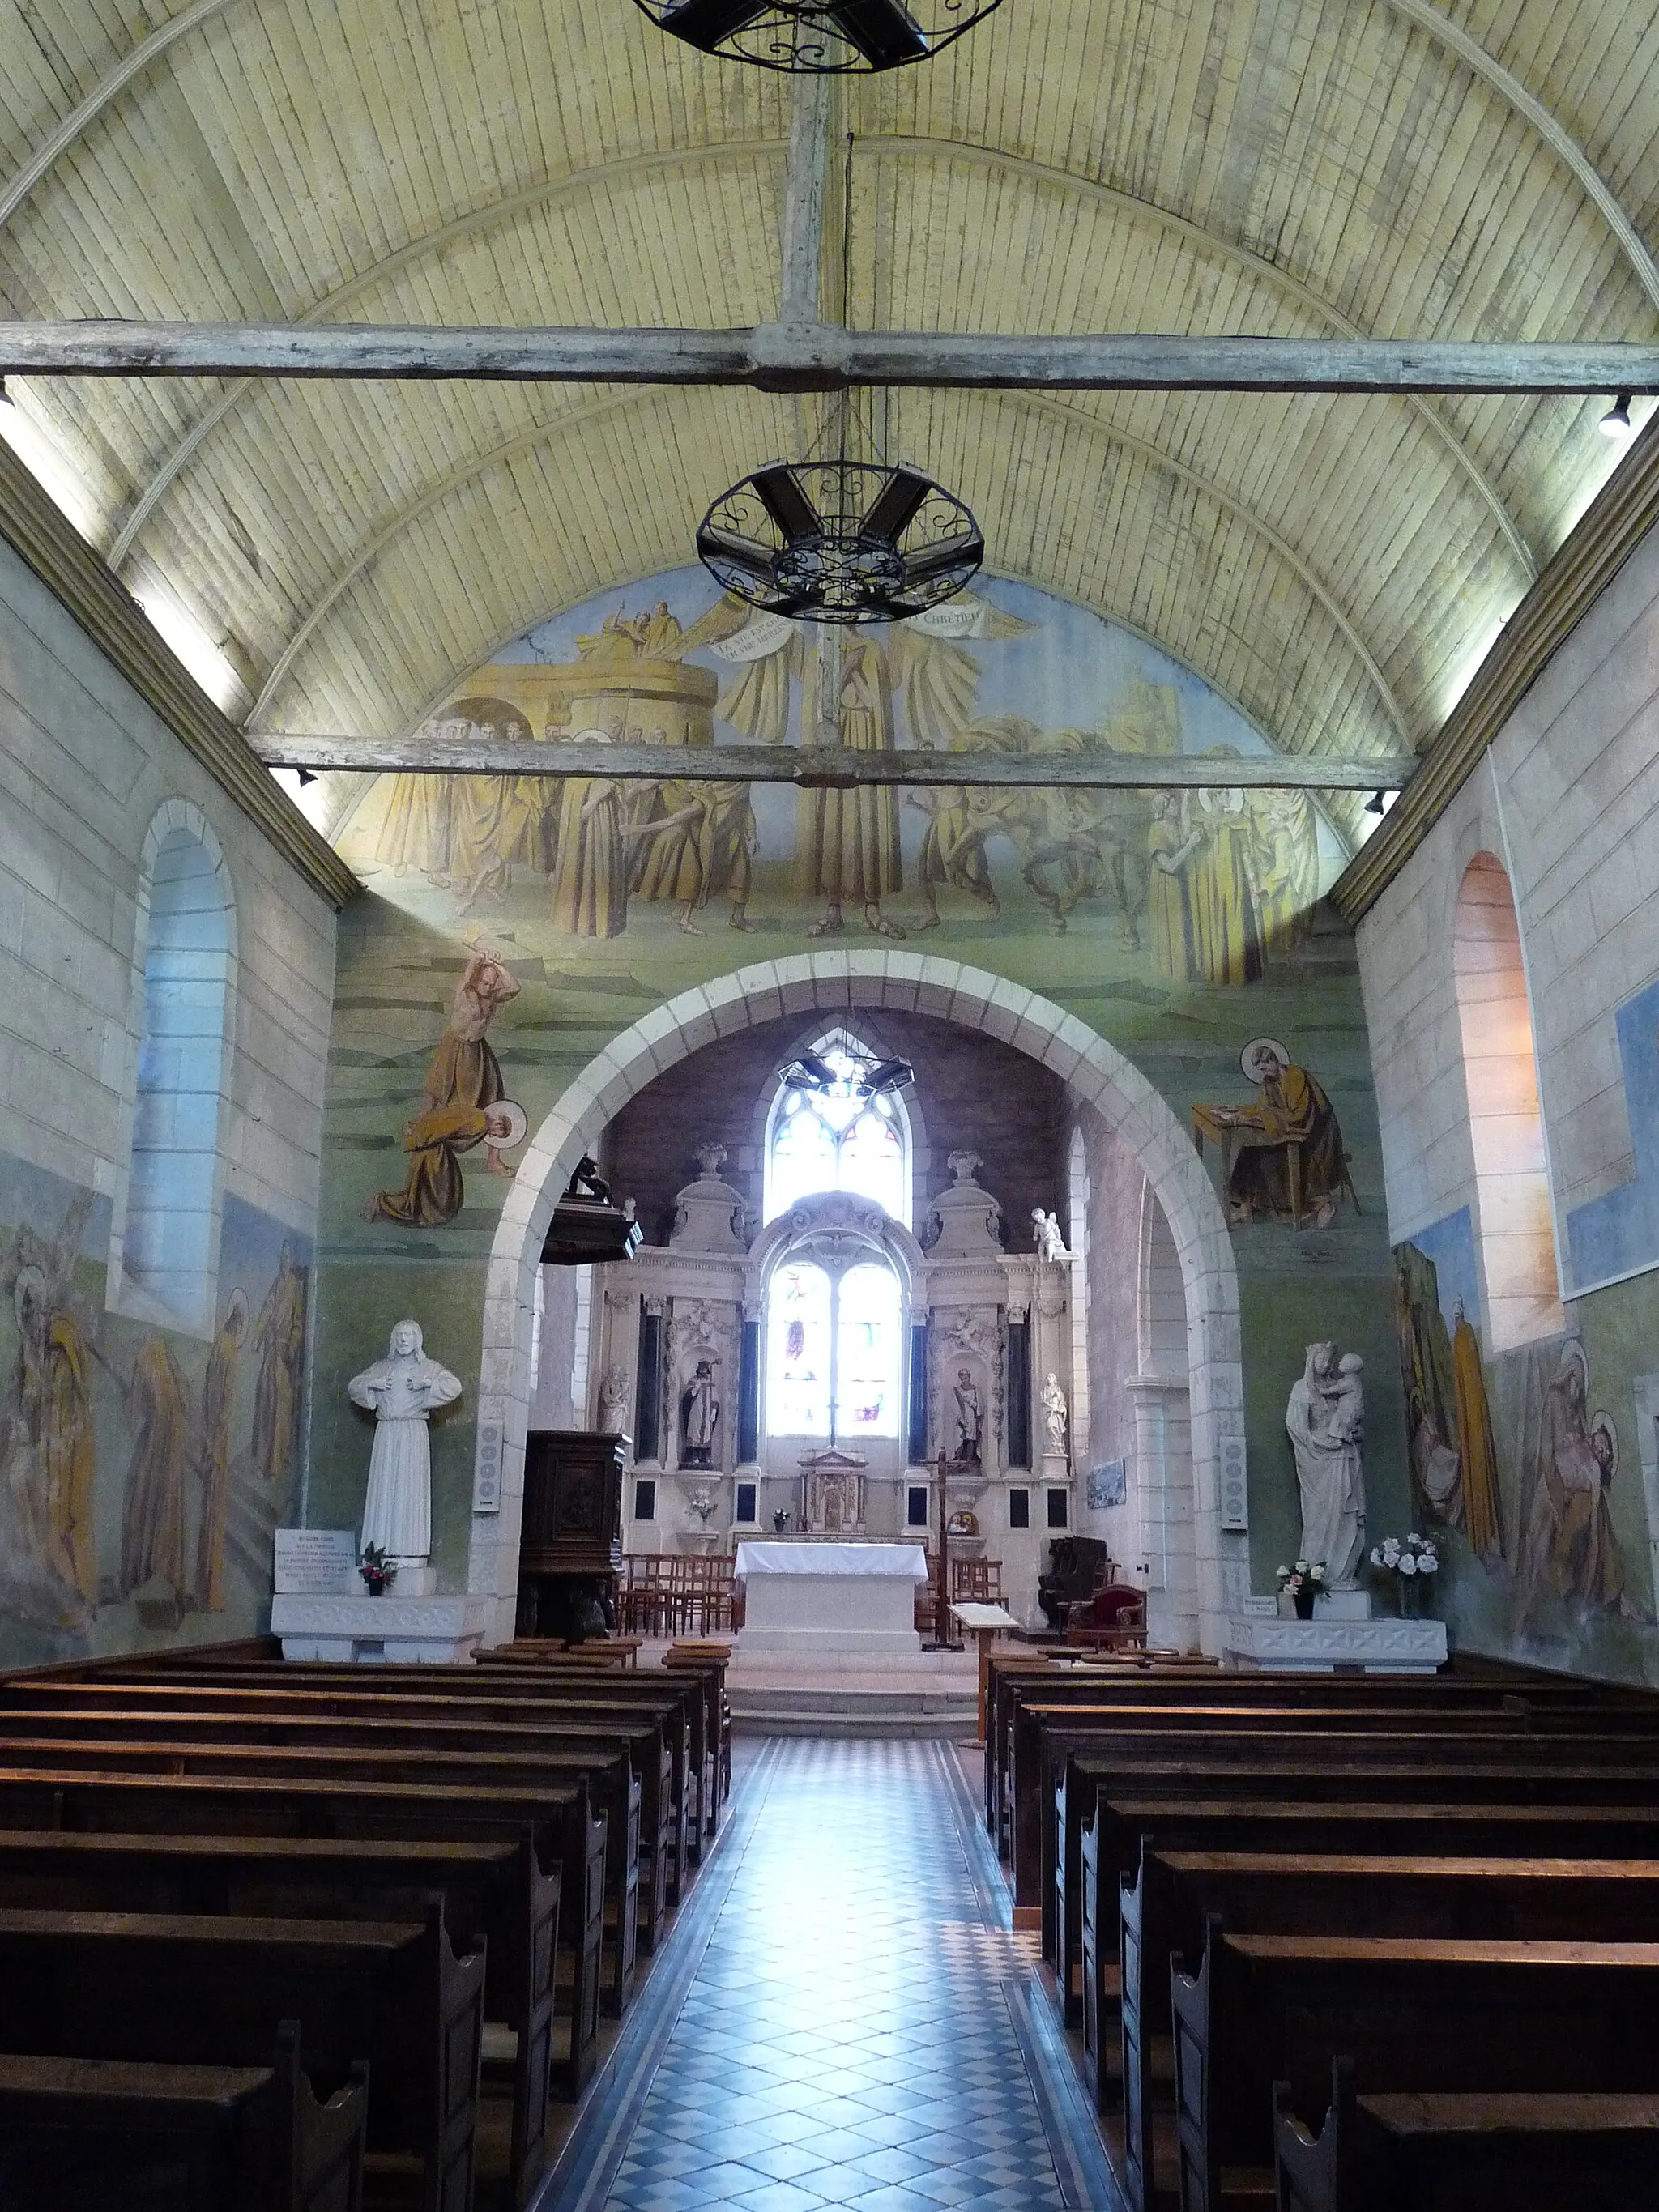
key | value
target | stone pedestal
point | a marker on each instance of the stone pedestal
(1319, 1647)
(1342, 1605)
(397, 1629)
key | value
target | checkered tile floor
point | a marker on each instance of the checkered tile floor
(850, 2037)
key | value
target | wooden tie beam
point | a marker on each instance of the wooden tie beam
(831, 766)
(822, 357)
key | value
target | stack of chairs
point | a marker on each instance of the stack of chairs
(398, 1898)
(675, 1594)
(1344, 1942)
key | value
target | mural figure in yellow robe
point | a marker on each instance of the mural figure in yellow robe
(588, 886)
(463, 1087)
(68, 1448)
(218, 1410)
(1285, 1153)
(1226, 933)
(47, 1444)
(1566, 1540)
(847, 843)
(1477, 1455)
(153, 1508)
(1285, 862)
(702, 848)
(1171, 842)
(279, 1335)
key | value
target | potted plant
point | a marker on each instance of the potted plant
(379, 1573)
(1410, 1559)
(1302, 1584)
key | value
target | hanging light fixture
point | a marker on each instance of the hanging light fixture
(1616, 422)
(819, 38)
(840, 541)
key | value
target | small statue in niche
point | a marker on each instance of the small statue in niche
(1050, 1244)
(1055, 1416)
(970, 1418)
(700, 1413)
(402, 1391)
(613, 1403)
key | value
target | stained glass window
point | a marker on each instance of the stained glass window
(835, 1349)
(833, 1139)
(799, 1350)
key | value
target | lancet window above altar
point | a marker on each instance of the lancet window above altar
(829, 1136)
(835, 1352)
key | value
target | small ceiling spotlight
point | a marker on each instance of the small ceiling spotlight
(302, 777)
(1616, 422)
(810, 1072)
(887, 1075)
(818, 38)
(1376, 804)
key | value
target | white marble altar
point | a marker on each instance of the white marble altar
(804, 1598)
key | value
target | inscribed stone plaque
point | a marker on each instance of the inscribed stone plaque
(316, 1562)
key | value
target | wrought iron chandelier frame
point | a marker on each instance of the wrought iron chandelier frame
(819, 38)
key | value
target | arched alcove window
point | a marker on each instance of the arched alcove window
(835, 1355)
(1506, 1126)
(833, 1139)
(167, 1240)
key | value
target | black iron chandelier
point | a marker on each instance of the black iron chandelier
(819, 38)
(840, 541)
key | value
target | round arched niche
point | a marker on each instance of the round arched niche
(830, 983)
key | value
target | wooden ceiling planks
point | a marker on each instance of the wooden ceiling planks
(1233, 165)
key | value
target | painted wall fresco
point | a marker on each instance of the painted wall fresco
(142, 1470)
(1618, 1235)
(511, 925)
(1536, 1467)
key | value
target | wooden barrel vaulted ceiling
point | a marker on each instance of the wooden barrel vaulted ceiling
(1335, 564)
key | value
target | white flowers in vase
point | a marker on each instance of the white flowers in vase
(1409, 1559)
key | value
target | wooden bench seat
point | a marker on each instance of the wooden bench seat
(580, 1716)
(1167, 1908)
(517, 1781)
(498, 1894)
(559, 1819)
(184, 1988)
(1412, 2014)
(1443, 2151)
(107, 2134)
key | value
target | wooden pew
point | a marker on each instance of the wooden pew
(108, 2135)
(373, 1692)
(517, 1778)
(1413, 2012)
(386, 1727)
(179, 1989)
(1445, 2152)
(494, 1894)
(1167, 1906)
(604, 1689)
(559, 1819)
(1421, 1763)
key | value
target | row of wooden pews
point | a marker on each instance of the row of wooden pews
(377, 1912)
(1337, 1942)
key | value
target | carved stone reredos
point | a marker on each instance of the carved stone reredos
(709, 1215)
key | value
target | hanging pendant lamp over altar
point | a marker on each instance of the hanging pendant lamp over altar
(840, 541)
(819, 38)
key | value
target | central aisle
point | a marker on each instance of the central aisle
(844, 2017)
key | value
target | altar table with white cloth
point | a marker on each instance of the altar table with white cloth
(803, 1597)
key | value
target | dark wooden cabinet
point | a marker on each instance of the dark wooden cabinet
(570, 1544)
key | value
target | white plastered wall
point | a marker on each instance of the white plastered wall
(832, 982)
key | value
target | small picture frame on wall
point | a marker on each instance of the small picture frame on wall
(1109, 1484)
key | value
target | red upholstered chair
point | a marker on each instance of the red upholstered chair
(1112, 1620)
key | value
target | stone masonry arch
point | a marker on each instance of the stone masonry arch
(830, 983)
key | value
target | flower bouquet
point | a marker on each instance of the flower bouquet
(1302, 1584)
(1410, 1559)
(379, 1573)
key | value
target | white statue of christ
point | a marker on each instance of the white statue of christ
(402, 1391)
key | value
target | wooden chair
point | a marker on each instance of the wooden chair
(976, 1582)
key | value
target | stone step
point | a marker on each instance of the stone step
(828, 1712)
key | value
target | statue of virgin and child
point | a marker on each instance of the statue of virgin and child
(1325, 1420)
